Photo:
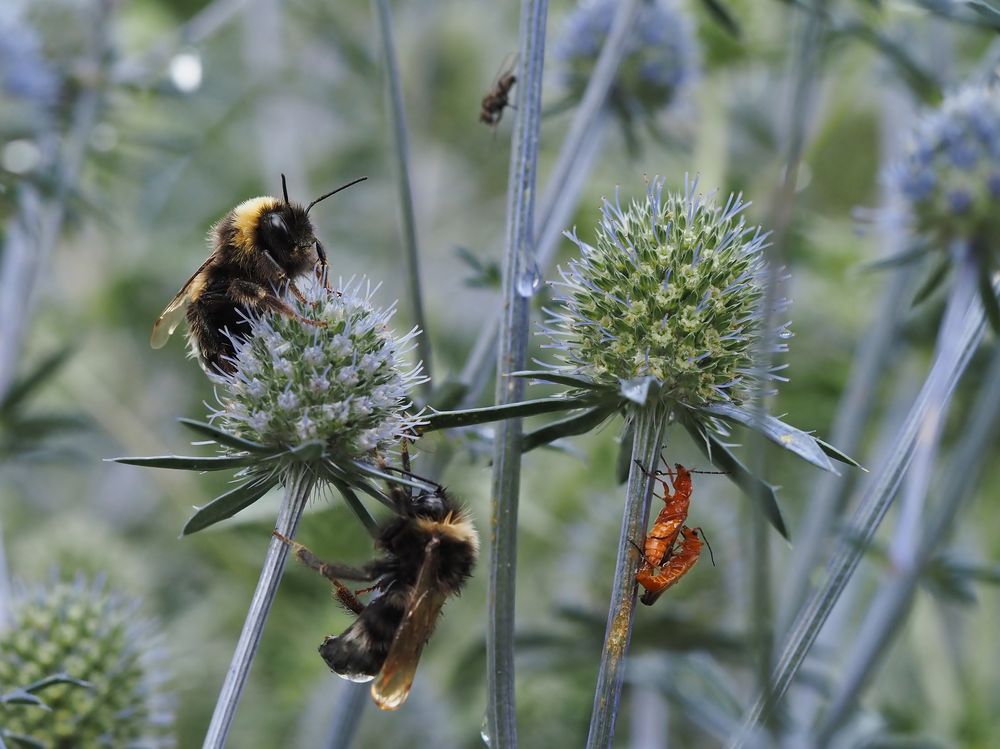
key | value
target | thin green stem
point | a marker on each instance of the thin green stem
(350, 705)
(5, 591)
(879, 345)
(297, 491)
(910, 548)
(864, 523)
(564, 185)
(650, 425)
(518, 271)
(402, 151)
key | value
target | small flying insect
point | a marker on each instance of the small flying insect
(260, 245)
(665, 563)
(429, 551)
(498, 97)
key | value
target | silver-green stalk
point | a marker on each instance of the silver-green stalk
(297, 491)
(519, 272)
(650, 426)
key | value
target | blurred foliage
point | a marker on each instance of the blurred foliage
(201, 104)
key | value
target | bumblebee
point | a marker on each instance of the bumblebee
(261, 245)
(429, 551)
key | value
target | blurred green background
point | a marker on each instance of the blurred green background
(196, 106)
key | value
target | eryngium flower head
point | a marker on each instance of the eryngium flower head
(343, 384)
(89, 633)
(661, 57)
(671, 296)
(950, 175)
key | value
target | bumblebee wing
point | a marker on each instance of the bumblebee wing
(173, 313)
(392, 686)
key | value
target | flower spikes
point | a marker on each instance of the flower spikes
(669, 297)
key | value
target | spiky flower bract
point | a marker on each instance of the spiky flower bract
(950, 174)
(661, 59)
(89, 633)
(667, 301)
(343, 384)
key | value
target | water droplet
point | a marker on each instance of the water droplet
(530, 281)
(636, 389)
(357, 678)
(484, 732)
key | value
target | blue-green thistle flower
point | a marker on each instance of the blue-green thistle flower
(87, 633)
(661, 59)
(950, 174)
(344, 385)
(668, 301)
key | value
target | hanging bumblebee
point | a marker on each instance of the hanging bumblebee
(259, 246)
(665, 561)
(429, 551)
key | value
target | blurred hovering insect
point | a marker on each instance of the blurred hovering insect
(429, 551)
(664, 561)
(498, 97)
(259, 246)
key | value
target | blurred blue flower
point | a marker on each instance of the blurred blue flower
(25, 73)
(661, 61)
(950, 174)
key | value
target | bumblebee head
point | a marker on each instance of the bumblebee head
(282, 230)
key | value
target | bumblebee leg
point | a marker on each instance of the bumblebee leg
(256, 296)
(322, 265)
(330, 571)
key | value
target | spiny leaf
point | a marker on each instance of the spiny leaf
(569, 427)
(557, 378)
(394, 478)
(785, 436)
(188, 463)
(988, 295)
(54, 679)
(989, 13)
(623, 465)
(224, 438)
(753, 487)
(228, 504)
(722, 16)
(473, 416)
(838, 455)
(933, 279)
(19, 741)
(908, 255)
(36, 377)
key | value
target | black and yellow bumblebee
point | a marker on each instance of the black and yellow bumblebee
(261, 245)
(429, 551)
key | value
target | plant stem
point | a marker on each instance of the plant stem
(650, 425)
(32, 234)
(518, 269)
(297, 491)
(401, 143)
(5, 592)
(910, 548)
(350, 705)
(564, 185)
(865, 521)
(878, 346)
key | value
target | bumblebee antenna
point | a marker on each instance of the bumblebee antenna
(332, 192)
(284, 190)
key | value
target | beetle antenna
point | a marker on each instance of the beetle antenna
(334, 192)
